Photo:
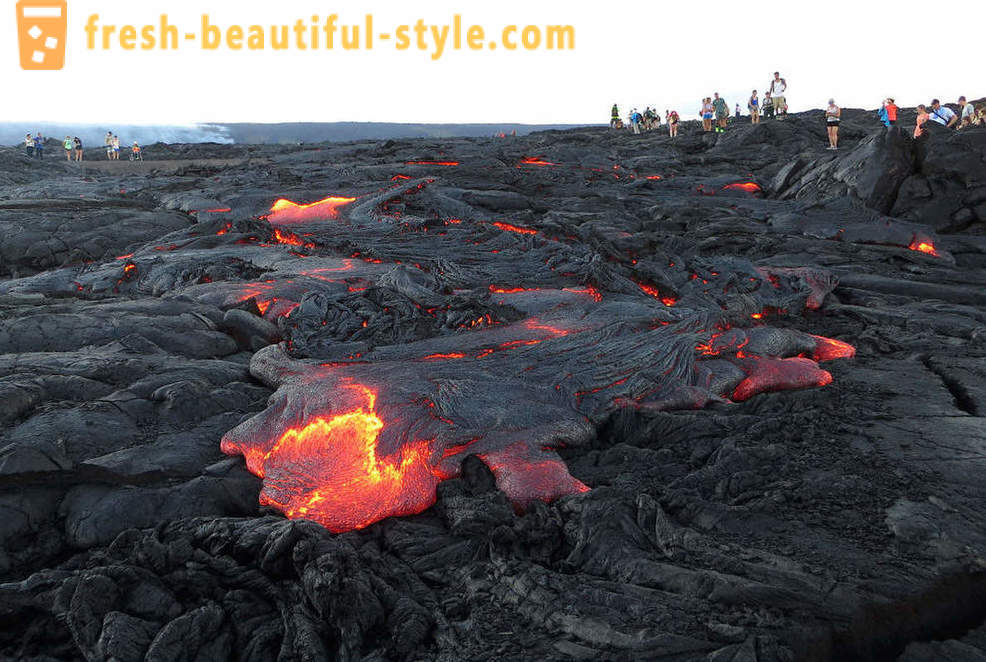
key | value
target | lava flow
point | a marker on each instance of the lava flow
(924, 246)
(285, 211)
(346, 484)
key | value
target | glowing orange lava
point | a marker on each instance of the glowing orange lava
(653, 291)
(514, 228)
(285, 211)
(829, 349)
(749, 187)
(536, 161)
(924, 246)
(344, 484)
(446, 164)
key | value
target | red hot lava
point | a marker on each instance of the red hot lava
(285, 211)
(536, 161)
(924, 246)
(749, 187)
(514, 228)
(348, 485)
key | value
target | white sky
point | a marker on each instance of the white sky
(665, 54)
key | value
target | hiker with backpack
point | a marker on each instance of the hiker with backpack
(778, 90)
(942, 114)
(29, 146)
(39, 146)
(68, 145)
(673, 123)
(614, 121)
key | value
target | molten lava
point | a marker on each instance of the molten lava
(749, 187)
(536, 161)
(514, 228)
(445, 164)
(347, 484)
(285, 211)
(924, 246)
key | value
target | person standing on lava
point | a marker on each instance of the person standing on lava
(707, 113)
(768, 106)
(778, 92)
(614, 121)
(922, 118)
(673, 124)
(108, 142)
(77, 145)
(69, 146)
(833, 116)
(29, 146)
(39, 146)
(967, 113)
(721, 109)
(753, 105)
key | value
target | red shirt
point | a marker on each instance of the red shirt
(892, 112)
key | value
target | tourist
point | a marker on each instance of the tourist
(942, 114)
(721, 109)
(29, 146)
(108, 142)
(981, 116)
(635, 122)
(892, 111)
(833, 115)
(967, 113)
(768, 106)
(673, 123)
(707, 114)
(39, 146)
(77, 144)
(778, 91)
(614, 122)
(135, 153)
(922, 118)
(737, 111)
(116, 147)
(69, 146)
(753, 105)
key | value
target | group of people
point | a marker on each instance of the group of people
(35, 147)
(714, 111)
(715, 114)
(967, 116)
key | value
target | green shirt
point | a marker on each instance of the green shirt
(719, 105)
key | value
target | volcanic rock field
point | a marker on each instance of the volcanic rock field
(580, 395)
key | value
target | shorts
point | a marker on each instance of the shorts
(779, 102)
(832, 123)
(707, 116)
(721, 116)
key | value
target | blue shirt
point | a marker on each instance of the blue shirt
(39, 142)
(943, 115)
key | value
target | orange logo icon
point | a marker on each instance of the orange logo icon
(41, 29)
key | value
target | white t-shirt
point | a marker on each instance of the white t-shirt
(943, 115)
(968, 111)
(778, 88)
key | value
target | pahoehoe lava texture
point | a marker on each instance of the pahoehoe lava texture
(580, 395)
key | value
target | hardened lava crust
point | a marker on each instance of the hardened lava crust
(579, 395)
